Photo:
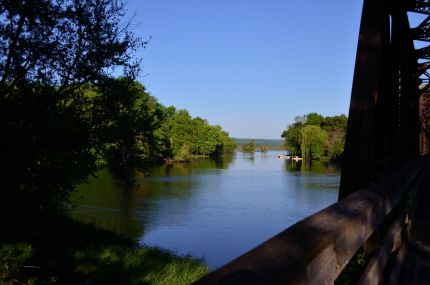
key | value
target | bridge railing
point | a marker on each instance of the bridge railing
(317, 249)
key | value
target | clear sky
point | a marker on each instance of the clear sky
(249, 66)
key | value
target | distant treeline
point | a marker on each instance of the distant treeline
(260, 142)
(263, 145)
(314, 136)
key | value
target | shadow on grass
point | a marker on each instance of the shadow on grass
(68, 252)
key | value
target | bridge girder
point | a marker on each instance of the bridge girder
(422, 33)
(390, 75)
(422, 7)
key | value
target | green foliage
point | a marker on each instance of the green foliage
(336, 129)
(185, 136)
(335, 122)
(13, 257)
(249, 147)
(335, 143)
(14, 267)
(228, 144)
(312, 141)
(292, 137)
(184, 153)
(314, 119)
(334, 138)
(126, 120)
(62, 43)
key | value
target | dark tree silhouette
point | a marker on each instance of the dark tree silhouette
(61, 43)
(48, 51)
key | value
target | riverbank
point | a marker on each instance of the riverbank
(184, 159)
(191, 158)
(68, 252)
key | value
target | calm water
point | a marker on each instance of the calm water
(214, 209)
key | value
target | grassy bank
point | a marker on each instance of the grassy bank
(68, 252)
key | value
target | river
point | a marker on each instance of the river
(211, 209)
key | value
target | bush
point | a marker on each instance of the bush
(183, 153)
(14, 268)
(313, 139)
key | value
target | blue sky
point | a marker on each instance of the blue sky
(249, 66)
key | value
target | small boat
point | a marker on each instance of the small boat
(284, 156)
(296, 158)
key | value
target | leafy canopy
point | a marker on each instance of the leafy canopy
(313, 136)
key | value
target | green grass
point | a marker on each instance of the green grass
(75, 253)
(143, 265)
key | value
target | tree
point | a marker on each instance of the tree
(335, 122)
(179, 129)
(314, 119)
(183, 153)
(126, 120)
(334, 128)
(249, 147)
(210, 139)
(49, 51)
(292, 136)
(336, 144)
(227, 144)
(62, 43)
(312, 142)
(164, 133)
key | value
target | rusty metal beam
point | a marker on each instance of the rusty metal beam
(409, 92)
(383, 118)
(357, 161)
(385, 125)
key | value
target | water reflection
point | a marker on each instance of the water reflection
(111, 205)
(315, 166)
(216, 209)
(107, 204)
(248, 156)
